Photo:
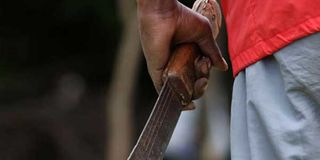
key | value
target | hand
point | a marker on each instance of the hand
(161, 29)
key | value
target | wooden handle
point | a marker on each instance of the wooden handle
(180, 71)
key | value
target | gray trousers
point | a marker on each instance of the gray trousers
(276, 105)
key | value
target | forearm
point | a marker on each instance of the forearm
(157, 6)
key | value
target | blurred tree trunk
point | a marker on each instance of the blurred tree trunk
(119, 101)
(218, 102)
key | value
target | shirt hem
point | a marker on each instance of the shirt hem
(267, 47)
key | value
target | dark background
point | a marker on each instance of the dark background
(56, 63)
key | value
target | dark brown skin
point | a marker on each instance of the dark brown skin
(165, 23)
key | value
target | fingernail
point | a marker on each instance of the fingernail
(225, 65)
(190, 106)
(204, 85)
(205, 65)
(209, 64)
(221, 66)
(204, 68)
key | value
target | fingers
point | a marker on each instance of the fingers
(200, 86)
(193, 27)
(202, 69)
(202, 66)
(190, 106)
(158, 35)
(211, 10)
(209, 47)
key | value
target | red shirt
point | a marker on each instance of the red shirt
(258, 28)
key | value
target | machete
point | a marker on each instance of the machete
(176, 92)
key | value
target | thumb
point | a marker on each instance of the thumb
(210, 48)
(211, 10)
